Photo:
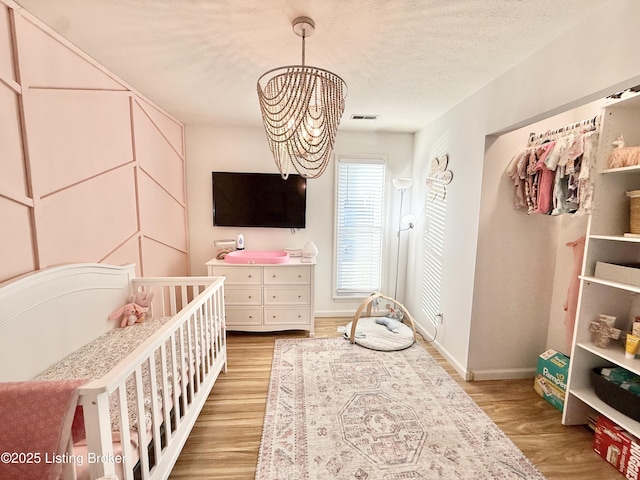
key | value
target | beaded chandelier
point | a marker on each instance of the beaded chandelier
(301, 109)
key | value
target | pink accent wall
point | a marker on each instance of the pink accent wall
(90, 170)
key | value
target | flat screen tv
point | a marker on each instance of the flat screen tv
(259, 200)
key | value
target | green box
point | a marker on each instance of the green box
(551, 377)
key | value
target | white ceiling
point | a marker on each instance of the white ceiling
(407, 61)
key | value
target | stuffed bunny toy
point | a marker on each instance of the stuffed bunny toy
(143, 299)
(131, 313)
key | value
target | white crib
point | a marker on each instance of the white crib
(163, 382)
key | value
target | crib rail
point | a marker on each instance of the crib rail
(171, 294)
(154, 395)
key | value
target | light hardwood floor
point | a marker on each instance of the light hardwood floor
(225, 440)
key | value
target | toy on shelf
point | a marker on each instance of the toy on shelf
(603, 331)
(623, 156)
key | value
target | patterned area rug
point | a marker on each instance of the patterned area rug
(340, 411)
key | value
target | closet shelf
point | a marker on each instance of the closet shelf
(588, 396)
(616, 238)
(634, 169)
(610, 283)
(613, 354)
(631, 101)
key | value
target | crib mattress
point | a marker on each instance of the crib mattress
(99, 356)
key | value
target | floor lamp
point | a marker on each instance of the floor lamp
(402, 184)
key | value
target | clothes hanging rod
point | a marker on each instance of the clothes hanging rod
(553, 134)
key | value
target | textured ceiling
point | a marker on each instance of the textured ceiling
(407, 61)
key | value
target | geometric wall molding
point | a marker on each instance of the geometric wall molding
(172, 260)
(48, 60)
(7, 71)
(85, 221)
(127, 252)
(17, 252)
(163, 227)
(156, 155)
(91, 170)
(87, 131)
(12, 179)
(168, 127)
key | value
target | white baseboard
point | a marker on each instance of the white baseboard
(503, 374)
(450, 360)
(468, 375)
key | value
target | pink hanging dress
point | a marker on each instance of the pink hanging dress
(571, 304)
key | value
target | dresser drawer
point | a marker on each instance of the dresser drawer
(286, 295)
(238, 275)
(267, 297)
(243, 316)
(273, 275)
(287, 316)
(242, 295)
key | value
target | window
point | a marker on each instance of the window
(359, 226)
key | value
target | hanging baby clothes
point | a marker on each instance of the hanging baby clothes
(574, 163)
(557, 161)
(546, 176)
(571, 303)
(517, 171)
(556, 176)
(531, 182)
(587, 171)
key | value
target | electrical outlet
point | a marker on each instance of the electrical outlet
(439, 320)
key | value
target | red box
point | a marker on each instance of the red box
(618, 447)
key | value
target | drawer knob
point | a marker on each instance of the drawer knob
(273, 296)
(249, 296)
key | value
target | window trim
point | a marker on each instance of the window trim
(365, 159)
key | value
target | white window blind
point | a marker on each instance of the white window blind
(435, 213)
(359, 226)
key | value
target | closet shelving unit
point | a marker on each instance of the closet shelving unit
(606, 242)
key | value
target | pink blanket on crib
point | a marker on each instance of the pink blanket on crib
(36, 421)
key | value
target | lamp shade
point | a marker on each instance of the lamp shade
(402, 183)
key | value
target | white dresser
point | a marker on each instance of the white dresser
(267, 298)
